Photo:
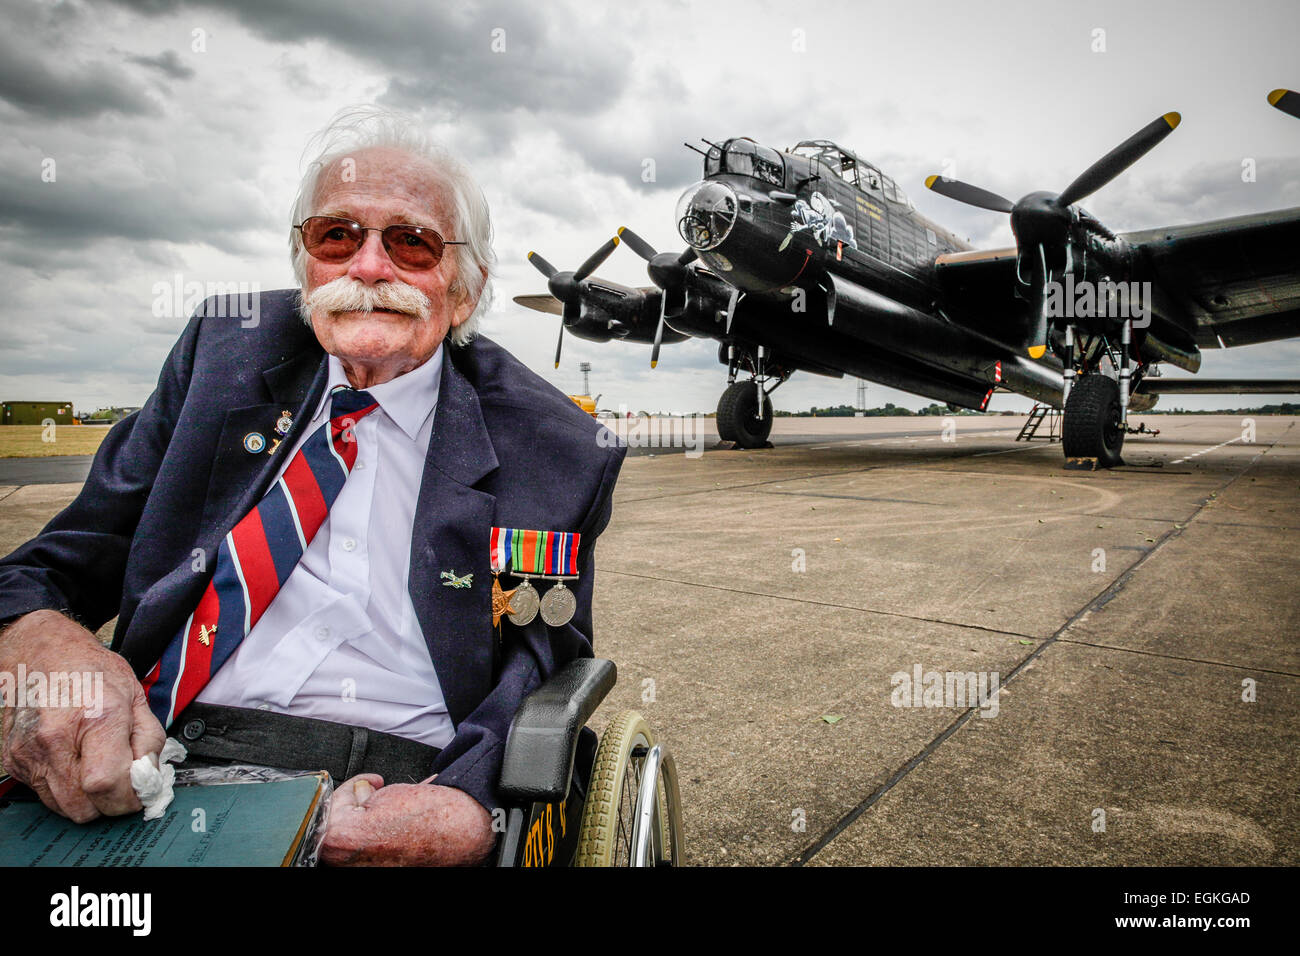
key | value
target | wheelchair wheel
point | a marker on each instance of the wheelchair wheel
(621, 824)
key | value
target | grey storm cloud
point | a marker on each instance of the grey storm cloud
(168, 62)
(71, 90)
(73, 212)
(439, 54)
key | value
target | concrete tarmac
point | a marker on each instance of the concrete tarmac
(1138, 625)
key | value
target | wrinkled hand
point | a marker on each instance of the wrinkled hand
(76, 759)
(404, 824)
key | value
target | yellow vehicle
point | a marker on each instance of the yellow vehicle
(586, 403)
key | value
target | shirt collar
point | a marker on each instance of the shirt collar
(407, 400)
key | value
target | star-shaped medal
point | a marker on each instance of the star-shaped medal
(500, 602)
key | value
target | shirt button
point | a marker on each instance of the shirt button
(349, 544)
(361, 466)
(322, 633)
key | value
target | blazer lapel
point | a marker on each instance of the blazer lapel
(239, 477)
(453, 523)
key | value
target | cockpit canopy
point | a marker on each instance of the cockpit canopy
(852, 170)
(744, 157)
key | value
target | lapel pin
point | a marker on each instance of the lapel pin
(254, 442)
(284, 423)
(451, 580)
(206, 634)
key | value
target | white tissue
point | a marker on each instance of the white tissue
(152, 777)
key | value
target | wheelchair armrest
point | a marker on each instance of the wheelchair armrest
(543, 737)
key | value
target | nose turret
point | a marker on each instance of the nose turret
(706, 214)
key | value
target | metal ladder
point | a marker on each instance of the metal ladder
(1036, 416)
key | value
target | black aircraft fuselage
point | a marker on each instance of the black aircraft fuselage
(833, 272)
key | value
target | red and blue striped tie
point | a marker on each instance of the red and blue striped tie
(257, 556)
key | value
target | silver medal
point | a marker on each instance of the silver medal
(558, 605)
(525, 601)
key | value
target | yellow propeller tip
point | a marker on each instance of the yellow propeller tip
(654, 364)
(616, 240)
(620, 229)
(930, 181)
(531, 253)
(1275, 96)
(1173, 119)
(1037, 351)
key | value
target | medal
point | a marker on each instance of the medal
(284, 423)
(500, 601)
(549, 555)
(558, 605)
(525, 603)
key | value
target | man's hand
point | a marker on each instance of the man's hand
(76, 759)
(405, 824)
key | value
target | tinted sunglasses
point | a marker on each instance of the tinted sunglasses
(335, 239)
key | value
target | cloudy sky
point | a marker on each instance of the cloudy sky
(174, 131)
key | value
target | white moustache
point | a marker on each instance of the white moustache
(353, 295)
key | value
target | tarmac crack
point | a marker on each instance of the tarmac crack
(829, 604)
(1176, 657)
(1108, 594)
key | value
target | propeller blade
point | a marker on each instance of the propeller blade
(687, 257)
(1119, 159)
(970, 195)
(559, 344)
(1037, 346)
(731, 307)
(541, 303)
(1288, 101)
(636, 243)
(595, 259)
(659, 329)
(544, 267)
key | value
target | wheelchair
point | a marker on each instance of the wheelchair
(573, 801)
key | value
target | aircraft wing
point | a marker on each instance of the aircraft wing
(1234, 281)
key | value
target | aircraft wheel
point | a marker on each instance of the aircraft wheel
(725, 430)
(1091, 427)
(738, 418)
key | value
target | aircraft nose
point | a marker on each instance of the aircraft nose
(706, 213)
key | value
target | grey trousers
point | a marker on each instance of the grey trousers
(216, 735)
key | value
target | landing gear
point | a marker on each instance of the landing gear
(1093, 425)
(739, 418)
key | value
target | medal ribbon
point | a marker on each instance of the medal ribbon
(544, 553)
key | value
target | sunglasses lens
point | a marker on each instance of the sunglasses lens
(413, 247)
(330, 239)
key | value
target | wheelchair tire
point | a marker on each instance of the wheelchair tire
(605, 834)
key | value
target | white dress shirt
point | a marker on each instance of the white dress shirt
(341, 641)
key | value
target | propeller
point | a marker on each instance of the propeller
(1041, 221)
(1288, 101)
(667, 270)
(567, 286)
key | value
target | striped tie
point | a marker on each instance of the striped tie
(257, 556)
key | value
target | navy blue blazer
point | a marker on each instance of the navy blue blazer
(169, 482)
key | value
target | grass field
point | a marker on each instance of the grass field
(28, 441)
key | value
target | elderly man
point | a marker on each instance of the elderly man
(294, 531)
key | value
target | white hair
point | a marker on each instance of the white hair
(356, 128)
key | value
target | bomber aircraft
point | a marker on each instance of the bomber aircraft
(812, 259)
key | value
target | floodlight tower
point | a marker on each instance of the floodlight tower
(585, 369)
